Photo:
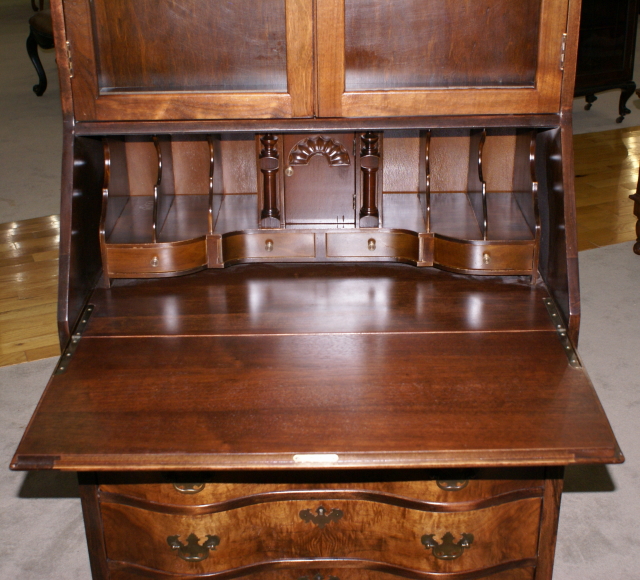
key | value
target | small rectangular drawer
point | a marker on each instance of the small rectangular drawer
(263, 533)
(373, 244)
(272, 245)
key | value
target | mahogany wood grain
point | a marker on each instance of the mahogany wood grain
(549, 522)
(133, 260)
(317, 298)
(412, 121)
(561, 280)
(420, 489)
(216, 402)
(320, 191)
(106, 81)
(324, 571)
(367, 531)
(270, 245)
(93, 526)
(80, 259)
(336, 100)
(468, 257)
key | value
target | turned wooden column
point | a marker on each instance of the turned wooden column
(369, 164)
(269, 164)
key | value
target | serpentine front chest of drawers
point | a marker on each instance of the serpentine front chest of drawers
(318, 288)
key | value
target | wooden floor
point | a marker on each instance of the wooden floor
(606, 166)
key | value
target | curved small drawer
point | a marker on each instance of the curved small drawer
(161, 259)
(212, 489)
(270, 245)
(483, 257)
(365, 531)
(403, 246)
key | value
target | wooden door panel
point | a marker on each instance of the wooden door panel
(438, 57)
(178, 60)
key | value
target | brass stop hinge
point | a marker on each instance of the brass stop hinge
(558, 323)
(563, 50)
(69, 61)
(63, 363)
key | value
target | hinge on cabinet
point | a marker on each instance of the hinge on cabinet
(563, 50)
(69, 61)
(63, 363)
(571, 353)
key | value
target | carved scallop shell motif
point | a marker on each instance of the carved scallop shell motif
(334, 151)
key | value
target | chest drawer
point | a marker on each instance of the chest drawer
(367, 532)
(461, 487)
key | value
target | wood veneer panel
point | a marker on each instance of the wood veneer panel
(367, 531)
(285, 299)
(440, 400)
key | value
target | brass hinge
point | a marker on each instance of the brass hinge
(563, 50)
(69, 61)
(558, 323)
(63, 363)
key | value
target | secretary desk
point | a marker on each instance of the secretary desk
(319, 298)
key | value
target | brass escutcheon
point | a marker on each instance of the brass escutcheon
(371, 244)
(447, 549)
(268, 245)
(322, 517)
(192, 551)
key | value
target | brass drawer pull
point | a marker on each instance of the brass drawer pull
(371, 244)
(486, 258)
(452, 484)
(268, 245)
(193, 551)
(189, 488)
(448, 549)
(322, 518)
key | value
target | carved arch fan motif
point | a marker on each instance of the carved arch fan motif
(304, 150)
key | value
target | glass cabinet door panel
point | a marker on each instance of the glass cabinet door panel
(466, 43)
(439, 57)
(191, 59)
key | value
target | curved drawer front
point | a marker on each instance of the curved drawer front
(270, 245)
(127, 260)
(370, 244)
(480, 257)
(215, 489)
(362, 531)
(314, 573)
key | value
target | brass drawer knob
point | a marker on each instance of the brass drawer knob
(189, 488)
(268, 245)
(154, 262)
(486, 258)
(322, 517)
(192, 551)
(371, 244)
(288, 171)
(447, 549)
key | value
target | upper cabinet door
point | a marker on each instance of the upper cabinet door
(386, 58)
(190, 59)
